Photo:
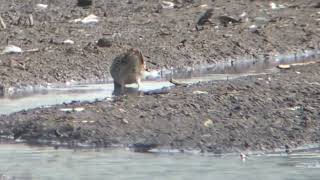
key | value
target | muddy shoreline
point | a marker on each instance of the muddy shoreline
(167, 37)
(261, 112)
(254, 113)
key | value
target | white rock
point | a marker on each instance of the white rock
(273, 5)
(66, 109)
(203, 5)
(208, 123)
(167, 5)
(68, 41)
(244, 14)
(253, 27)
(200, 92)
(78, 109)
(11, 49)
(294, 108)
(42, 6)
(284, 66)
(276, 6)
(88, 20)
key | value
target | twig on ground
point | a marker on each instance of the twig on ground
(31, 20)
(2, 23)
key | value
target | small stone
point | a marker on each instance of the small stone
(204, 6)
(78, 109)
(68, 41)
(200, 92)
(208, 123)
(42, 6)
(253, 27)
(284, 66)
(244, 14)
(125, 121)
(104, 42)
(83, 3)
(10, 49)
(90, 19)
(167, 5)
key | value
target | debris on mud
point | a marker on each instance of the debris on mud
(204, 17)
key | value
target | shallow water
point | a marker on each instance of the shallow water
(33, 97)
(23, 162)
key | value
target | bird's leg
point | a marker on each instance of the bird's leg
(139, 83)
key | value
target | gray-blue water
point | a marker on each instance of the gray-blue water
(22, 162)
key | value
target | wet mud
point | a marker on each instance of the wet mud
(260, 112)
(167, 37)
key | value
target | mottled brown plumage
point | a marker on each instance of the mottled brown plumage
(128, 68)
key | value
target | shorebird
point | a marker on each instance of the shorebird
(128, 68)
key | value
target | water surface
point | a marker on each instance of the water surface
(22, 162)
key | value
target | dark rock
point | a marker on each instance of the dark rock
(317, 5)
(142, 147)
(83, 3)
(104, 42)
(225, 20)
(204, 17)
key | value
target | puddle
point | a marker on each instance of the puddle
(32, 97)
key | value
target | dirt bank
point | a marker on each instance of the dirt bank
(253, 113)
(167, 37)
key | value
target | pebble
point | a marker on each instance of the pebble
(88, 20)
(78, 109)
(104, 42)
(125, 121)
(11, 49)
(276, 6)
(208, 123)
(284, 66)
(68, 41)
(83, 3)
(167, 5)
(200, 92)
(42, 6)
(203, 5)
